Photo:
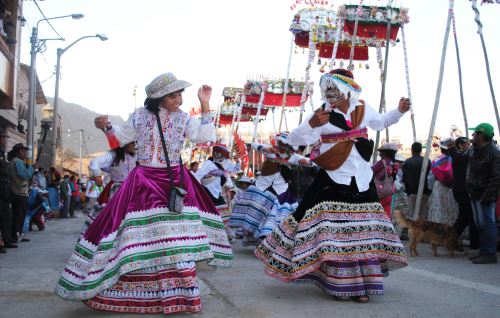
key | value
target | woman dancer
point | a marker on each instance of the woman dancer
(265, 205)
(214, 175)
(138, 256)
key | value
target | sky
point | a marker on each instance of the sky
(225, 42)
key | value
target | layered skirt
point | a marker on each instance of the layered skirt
(338, 239)
(137, 256)
(442, 205)
(259, 212)
(224, 211)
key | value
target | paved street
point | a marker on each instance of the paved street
(429, 287)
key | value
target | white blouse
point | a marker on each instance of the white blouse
(276, 181)
(177, 126)
(118, 173)
(210, 176)
(355, 166)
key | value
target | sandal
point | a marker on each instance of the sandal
(342, 298)
(361, 299)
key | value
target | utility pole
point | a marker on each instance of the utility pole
(81, 146)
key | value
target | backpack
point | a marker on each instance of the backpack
(385, 187)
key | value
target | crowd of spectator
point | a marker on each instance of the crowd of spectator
(31, 195)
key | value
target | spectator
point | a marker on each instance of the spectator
(385, 170)
(443, 208)
(193, 166)
(5, 211)
(465, 216)
(483, 185)
(53, 181)
(65, 191)
(20, 173)
(75, 193)
(411, 178)
(40, 179)
(92, 193)
(399, 198)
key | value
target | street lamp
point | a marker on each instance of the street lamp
(36, 46)
(60, 52)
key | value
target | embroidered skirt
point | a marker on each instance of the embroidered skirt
(259, 212)
(163, 289)
(135, 233)
(338, 238)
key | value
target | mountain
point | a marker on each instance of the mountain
(75, 117)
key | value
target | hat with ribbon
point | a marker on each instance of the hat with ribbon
(220, 148)
(344, 83)
(165, 84)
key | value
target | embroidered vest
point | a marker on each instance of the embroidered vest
(334, 157)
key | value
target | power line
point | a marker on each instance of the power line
(48, 21)
(85, 143)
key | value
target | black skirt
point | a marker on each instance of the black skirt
(217, 201)
(325, 189)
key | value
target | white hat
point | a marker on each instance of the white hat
(389, 146)
(400, 157)
(165, 84)
(446, 143)
(245, 179)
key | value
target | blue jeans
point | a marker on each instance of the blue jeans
(484, 217)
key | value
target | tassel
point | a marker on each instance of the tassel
(319, 61)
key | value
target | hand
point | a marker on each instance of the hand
(204, 93)
(101, 121)
(319, 118)
(404, 104)
(304, 162)
(269, 150)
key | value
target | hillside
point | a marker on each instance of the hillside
(75, 117)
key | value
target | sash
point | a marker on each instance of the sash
(338, 154)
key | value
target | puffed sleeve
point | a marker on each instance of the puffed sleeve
(201, 130)
(260, 148)
(295, 158)
(377, 121)
(206, 167)
(124, 133)
(101, 163)
(304, 134)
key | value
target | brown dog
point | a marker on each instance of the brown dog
(437, 234)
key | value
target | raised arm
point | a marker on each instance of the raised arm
(101, 163)
(378, 121)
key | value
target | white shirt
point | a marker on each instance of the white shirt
(213, 183)
(92, 190)
(355, 166)
(119, 172)
(276, 181)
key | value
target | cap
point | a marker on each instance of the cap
(484, 128)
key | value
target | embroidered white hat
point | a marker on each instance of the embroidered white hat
(400, 157)
(389, 146)
(165, 84)
(245, 179)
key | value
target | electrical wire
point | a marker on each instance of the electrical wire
(48, 21)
